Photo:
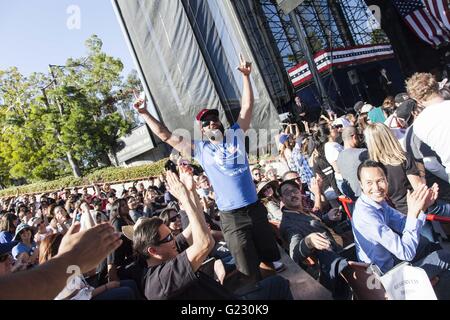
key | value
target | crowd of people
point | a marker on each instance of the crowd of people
(213, 229)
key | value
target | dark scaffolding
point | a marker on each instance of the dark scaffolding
(329, 24)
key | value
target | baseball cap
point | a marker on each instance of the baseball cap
(205, 112)
(366, 108)
(341, 121)
(405, 109)
(400, 98)
(357, 107)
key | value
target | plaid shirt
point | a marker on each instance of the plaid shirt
(301, 166)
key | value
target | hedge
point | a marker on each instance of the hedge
(109, 175)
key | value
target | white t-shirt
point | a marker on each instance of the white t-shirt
(332, 150)
(432, 126)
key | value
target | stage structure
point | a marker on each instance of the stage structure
(348, 45)
(186, 53)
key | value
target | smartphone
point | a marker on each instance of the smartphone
(170, 166)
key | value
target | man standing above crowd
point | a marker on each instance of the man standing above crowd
(244, 219)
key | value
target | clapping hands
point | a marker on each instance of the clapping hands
(421, 199)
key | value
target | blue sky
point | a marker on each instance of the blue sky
(34, 34)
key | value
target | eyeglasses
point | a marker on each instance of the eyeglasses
(206, 122)
(337, 126)
(174, 218)
(5, 257)
(167, 239)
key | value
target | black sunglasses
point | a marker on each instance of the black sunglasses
(206, 122)
(337, 126)
(169, 238)
(174, 218)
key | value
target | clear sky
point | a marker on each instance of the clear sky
(34, 34)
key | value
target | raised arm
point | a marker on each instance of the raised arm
(245, 116)
(161, 130)
(83, 250)
(202, 241)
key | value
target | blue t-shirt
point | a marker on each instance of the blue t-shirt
(22, 247)
(6, 237)
(226, 166)
(377, 115)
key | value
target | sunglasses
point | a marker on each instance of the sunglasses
(338, 126)
(174, 218)
(167, 239)
(206, 122)
(184, 164)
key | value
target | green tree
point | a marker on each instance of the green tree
(56, 124)
(378, 37)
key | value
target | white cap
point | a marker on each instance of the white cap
(342, 121)
(366, 108)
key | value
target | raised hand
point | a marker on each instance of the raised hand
(140, 104)
(419, 199)
(89, 248)
(187, 178)
(432, 196)
(244, 66)
(316, 185)
(176, 187)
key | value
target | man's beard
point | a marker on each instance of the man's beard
(216, 135)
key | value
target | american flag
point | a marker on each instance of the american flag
(419, 19)
(440, 11)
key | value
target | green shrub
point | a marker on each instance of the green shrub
(110, 175)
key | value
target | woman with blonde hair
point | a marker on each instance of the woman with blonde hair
(403, 174)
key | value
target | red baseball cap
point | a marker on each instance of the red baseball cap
(205, 112)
